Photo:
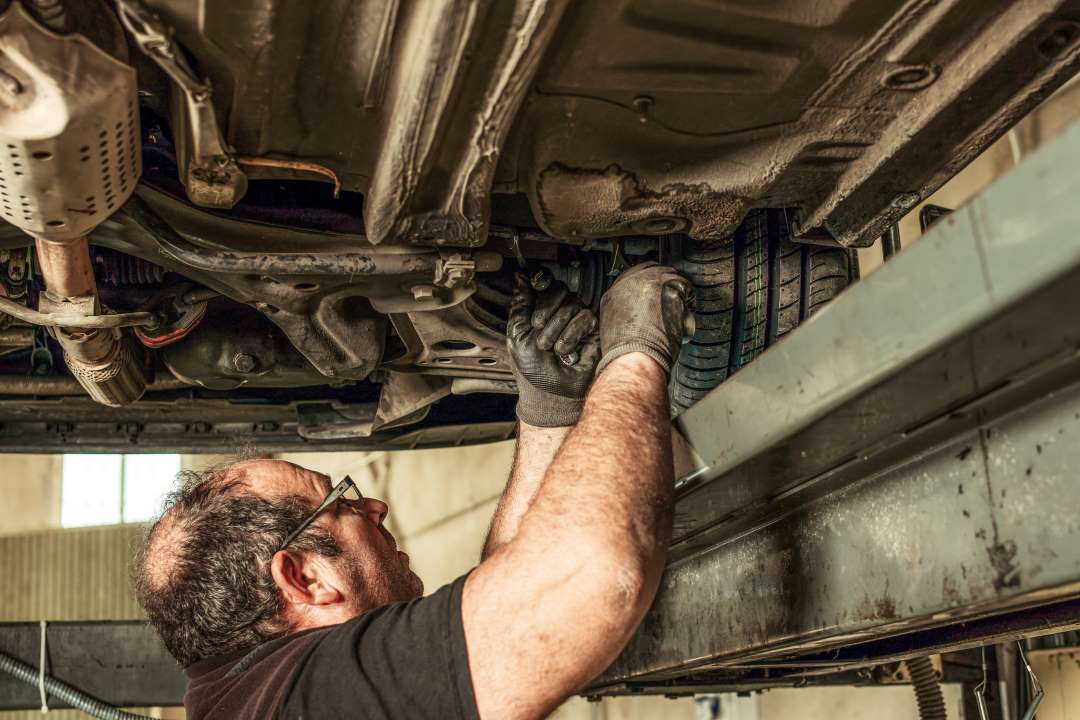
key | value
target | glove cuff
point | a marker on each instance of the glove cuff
(649, 349)
(542, 409)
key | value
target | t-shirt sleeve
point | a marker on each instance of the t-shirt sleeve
(406, 660)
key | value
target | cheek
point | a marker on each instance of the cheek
(360, 538)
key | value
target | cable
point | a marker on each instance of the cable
(927, 689)
(60, 689)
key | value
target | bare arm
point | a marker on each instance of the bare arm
(547, 611)
(533, 454)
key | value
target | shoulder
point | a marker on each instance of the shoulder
(401, 660)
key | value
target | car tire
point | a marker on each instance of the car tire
(750, 291)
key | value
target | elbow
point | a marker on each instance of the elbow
(627, 583)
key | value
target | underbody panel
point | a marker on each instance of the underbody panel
(332, 199)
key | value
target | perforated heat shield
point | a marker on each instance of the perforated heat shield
(69, 130)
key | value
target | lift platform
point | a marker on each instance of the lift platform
(899, 476)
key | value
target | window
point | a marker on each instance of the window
(110, 489)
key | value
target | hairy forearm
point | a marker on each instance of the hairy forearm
(535, 449)
(611, 484)
(568, 590)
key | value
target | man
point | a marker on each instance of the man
(281, 604)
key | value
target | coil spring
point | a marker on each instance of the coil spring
(927, 689)
(119, 269)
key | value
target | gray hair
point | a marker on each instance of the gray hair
(202, 572)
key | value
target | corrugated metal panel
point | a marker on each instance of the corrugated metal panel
(75, 574)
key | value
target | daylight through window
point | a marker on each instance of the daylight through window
(110, 489)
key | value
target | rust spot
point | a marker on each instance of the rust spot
(590, 203)
(950, 591)
(1006, 572)
(882, 608)
(886, 607)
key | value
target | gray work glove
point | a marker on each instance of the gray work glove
(649, 309)
(545, 330)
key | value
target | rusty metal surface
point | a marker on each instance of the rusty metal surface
(61, 385)
(849, 112)
(905, 461)
(629, 116)
(182, 422)
(454, 96)
(981, 525)
(299, 166)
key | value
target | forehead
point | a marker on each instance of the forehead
(276, 478)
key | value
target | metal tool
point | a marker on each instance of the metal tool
(1036, 686)
(982, 691)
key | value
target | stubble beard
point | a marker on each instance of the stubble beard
(380, 578)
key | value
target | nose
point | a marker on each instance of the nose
(375, 510)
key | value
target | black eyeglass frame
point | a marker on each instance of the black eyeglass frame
(340, 489)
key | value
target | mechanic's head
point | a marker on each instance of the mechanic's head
(212, 580)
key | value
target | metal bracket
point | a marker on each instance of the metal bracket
(211, 175)
(454, 270)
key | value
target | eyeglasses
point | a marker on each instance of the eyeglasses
(346, 488)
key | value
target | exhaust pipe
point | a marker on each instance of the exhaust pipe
(107, 363)
(69, 156)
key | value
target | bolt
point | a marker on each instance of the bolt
(540, 280)
(905, 200)
(244, 363)
(643, 103)
(423, 292)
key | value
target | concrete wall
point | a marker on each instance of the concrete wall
(30, 488)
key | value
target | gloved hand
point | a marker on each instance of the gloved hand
(542, 327)
(648, 309)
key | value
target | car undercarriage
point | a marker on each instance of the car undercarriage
(296, 225)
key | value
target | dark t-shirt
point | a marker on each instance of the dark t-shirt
(406, 660)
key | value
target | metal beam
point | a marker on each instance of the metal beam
(904, 461)
(122, 663)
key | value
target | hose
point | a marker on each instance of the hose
(60, 689)
(927, 689)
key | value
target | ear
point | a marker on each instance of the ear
(303, 583)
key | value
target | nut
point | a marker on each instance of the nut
(244, 363)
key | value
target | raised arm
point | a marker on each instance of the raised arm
(533, 454)
(552, 608)
(551, 392)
